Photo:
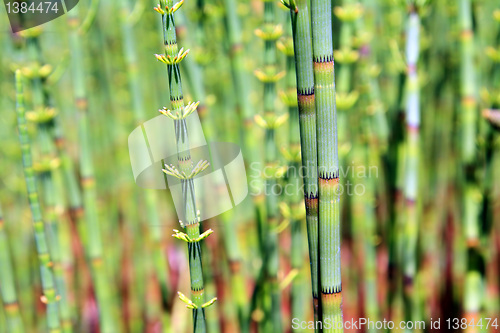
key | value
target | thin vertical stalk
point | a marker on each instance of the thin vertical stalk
(412, 199)
(328, 166)
(46, 170)
(346, 57)
(194, 75)
(247, 129)
(192, 223)
(302, 41)
(469, 155)
(8, 293)
(372, 307)
(270, 32)
(103, 289)
(50, 296)
(241, 80)
(369, 71)
(292, 189)
(250, 148)
(396, 157)
(160, 266)
(375, 145)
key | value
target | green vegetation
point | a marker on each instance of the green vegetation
(369, 132)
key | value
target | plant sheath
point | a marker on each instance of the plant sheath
(328, 165)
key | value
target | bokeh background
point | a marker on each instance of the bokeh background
(418, 84)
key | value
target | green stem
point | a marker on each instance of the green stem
(103, 289)
(185, 165)
(328, 166)
(160, 266)
(271, 263)
(412, 199)
(302, 40)
(469, 155)
(7, 284)
(49, 154)
(50, 296)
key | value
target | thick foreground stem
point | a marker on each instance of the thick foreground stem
(328, 166)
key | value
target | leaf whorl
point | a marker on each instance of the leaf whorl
(332, 290)
(320, 59)
(305, 91)
(176, 98)
(329, 175)
(311, 195)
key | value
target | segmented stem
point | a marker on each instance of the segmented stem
(471, 194)
(270, 157)
(50, 296)
(94, 247)
(51, 198)
(185, 165)
(411, 165)
(302, 42)
(328, 165)
(7, 284)
(160, 266)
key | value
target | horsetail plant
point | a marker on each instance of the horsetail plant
(8, 293)
(94, 247)
(160, 266)
(346, 96)
(346, 56)
(469, 156)
(240, 80)
(185, 171)
(375, 144)
(328, 165)
(371, 71)
(44, 115)
(50, 296)
(302, 43)
(412, 203)
(194, 77)
(250, 150)
(269, 120)
(293, 195)
(367, 234)
(248, 132)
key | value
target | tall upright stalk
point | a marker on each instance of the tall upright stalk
(293, 195)
(250, 152)
(412, 202)
(160, 266)
(245, 111)
(328, 166)
(372, 308)
(179, 113)
(194, 74)
(50, 296)
(375, 145)
(44, 116)
(269, 75)
(346, 56)
(241, 80)
(469, 156)
(8, 293)
(302, 42)
(250, 148)
(94, 246)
